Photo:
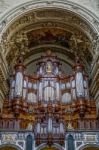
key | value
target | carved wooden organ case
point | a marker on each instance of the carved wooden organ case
(49, 102)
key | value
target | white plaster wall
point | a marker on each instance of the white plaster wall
(6, 5)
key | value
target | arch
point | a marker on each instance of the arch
(49, 148)
(86, 16)
(8, 148)
(89, 147)
(44, 145)
(12, 146)
(20, 19)
(34, 4)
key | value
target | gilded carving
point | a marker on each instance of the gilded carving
(81, 33)
(8, 138)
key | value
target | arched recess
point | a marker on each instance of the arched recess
(17, 25)
(9, 147)
(49, 148)
(89, 147)
(48, 15)
(44, 146)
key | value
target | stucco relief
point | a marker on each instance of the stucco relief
(3, 6)
(34, 17)
(83, 20)
(24, 42)
(92, 5)
(33, 20)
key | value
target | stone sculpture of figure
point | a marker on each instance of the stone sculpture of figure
(48, 67)
(30, 127)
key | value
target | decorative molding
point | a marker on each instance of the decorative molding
(35, 15)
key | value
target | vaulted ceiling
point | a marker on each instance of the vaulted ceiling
(62, 31)
(64, 27)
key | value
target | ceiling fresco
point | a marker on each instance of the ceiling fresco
(56, 39)
(42, 29)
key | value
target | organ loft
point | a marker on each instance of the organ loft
(49, 103)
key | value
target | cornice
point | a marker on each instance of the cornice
(11, 16)
(13, 22)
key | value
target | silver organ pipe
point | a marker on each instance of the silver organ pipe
(18, 84)
(45, 83)
(29, 85)
(42, 131)
(50, 127)
(35, 86)
(53, 130)
(56, 70)
(73, 88)
(79, 84)
(40, 91)
(41, 69)
(57, 91)
(24, 93)
(38, 128)
(68, 86)
(13, 83)
(80, 81)
(25, 88)
(12, 87)
(57, 130)
(49, 94)
(49, 86)
(61, 128)
(45, 130)
(12, 94)
(86, 88)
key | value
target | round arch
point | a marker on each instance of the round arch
(48, 4)
(61, 16)
(11, 146)
(31, 14)
(89, 147)
(11, 19)
(44, 145)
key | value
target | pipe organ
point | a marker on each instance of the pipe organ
(49, 102)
